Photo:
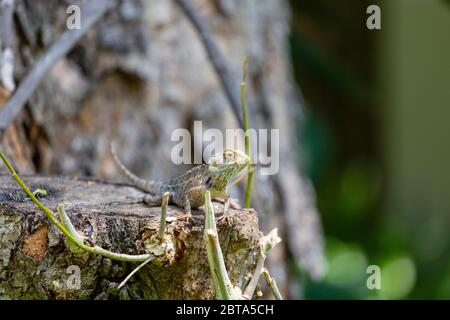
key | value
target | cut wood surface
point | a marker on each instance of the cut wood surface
(35, 263)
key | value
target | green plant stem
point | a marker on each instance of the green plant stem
(249, 291)
(272, 284)
(222, 283)
(75, 240)
(162, 223)
(239, 178)
(266, 244)
(133, 272)
(65, 220)
(248, 192)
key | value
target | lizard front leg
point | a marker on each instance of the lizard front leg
(228, 202)
(226, 217)
(187, 209)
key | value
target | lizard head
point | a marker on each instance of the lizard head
(225, 165)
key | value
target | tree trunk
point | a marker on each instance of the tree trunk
(141, 73)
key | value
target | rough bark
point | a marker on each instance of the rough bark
(34, 259)
(140, 74)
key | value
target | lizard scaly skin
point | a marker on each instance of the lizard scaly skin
(188, 190)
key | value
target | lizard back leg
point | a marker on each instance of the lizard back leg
(194, 197)
(152, 200)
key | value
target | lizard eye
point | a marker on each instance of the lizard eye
(208, 182)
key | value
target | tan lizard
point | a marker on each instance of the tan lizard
(188, 190)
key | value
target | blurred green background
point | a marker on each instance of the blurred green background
(376, 142)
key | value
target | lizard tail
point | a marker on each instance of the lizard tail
(147, 186)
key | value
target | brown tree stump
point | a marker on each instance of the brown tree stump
(35, 263)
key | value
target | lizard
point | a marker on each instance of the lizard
(188, 190)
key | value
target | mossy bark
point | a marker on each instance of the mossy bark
(35, 263)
